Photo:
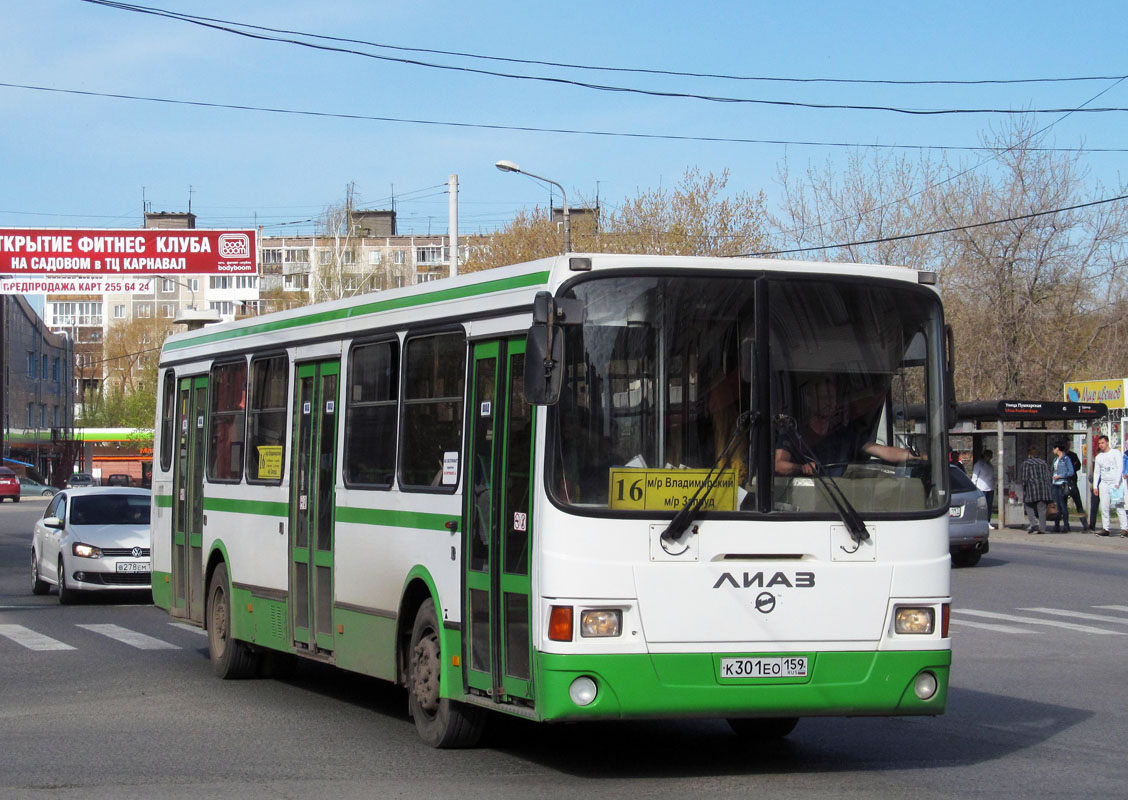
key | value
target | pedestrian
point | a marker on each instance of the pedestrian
(1063, 475)
(1075, 492)
(954, 459)
(1108, 469)
(983, 476)
(1036, 492)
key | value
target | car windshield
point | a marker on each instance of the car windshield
(110, 509)
(808, 378)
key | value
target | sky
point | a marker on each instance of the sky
(84, 161)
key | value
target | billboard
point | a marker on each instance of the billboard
(1109, 392)
(138, 251)
(65, 285)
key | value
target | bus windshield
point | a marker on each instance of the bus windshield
(841, 377)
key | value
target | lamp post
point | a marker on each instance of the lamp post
(509, 166)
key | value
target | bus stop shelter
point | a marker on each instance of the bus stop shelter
(1011, 427)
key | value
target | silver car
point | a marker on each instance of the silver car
(969, 520)
(92, 540)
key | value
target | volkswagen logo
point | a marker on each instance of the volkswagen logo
(136, 553)
(765, 602)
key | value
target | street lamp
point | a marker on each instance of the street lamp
(509, 166)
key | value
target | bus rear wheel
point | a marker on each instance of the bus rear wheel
(763, 730)
(231, 659)
(440, 722)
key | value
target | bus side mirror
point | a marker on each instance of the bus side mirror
(543, 369)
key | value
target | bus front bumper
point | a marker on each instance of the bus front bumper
(689, 685)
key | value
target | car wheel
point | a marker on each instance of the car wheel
(38, 585)
(231, 659)
(966, 558)
(67, 596)
(46, 493)
(763, 730)
(439, 721)
(16, 499)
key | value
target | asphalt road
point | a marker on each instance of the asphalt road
(1036, 710)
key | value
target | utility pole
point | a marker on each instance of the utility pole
(452, 190)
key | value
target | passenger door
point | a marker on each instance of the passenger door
(188, 499)
(498, 525)
(312, 504)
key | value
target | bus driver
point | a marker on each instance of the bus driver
(827, 439)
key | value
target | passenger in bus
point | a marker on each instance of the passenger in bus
(829, 439)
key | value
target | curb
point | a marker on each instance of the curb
(1071, 541)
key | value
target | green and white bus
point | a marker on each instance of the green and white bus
(589, 487)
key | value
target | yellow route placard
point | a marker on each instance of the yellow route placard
(270, 461)
(642, 489)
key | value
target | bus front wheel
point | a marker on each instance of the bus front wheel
(440, 721)
(231, 659)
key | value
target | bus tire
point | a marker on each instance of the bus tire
(440, 722)
(763, 730)
(231, 659)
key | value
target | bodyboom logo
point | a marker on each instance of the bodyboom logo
(234, 245)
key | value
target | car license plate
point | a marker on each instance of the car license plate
(955, 512)
(782, 667)
(133, 566)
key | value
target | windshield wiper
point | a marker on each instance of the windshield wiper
(689, 511)
(849, 515)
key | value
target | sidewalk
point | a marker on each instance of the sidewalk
(1075, 540)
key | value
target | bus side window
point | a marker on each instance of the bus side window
(434, 385)
(372, 397)
(266, 423)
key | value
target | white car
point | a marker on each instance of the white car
(94, 539)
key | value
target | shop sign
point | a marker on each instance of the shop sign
(1109, 392)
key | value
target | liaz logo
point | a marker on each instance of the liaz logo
(800, 580)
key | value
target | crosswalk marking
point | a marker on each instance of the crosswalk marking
(30, 639)
(987, 626)
(131, 638)
(184, 626)
(1061, 612)
(1112, 608)
(1035, 621)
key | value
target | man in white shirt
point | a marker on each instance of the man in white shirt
(983, 476)
(1108, 471)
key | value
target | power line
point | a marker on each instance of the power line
(938, 231)
(201, 21)
(638, 70)
(525, 128)
(994, 156)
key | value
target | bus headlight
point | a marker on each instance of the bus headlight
(914, 620)
(925, 685)
(582, 691)
(601, 622)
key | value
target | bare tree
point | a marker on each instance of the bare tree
(1032, 301)
(697, 217)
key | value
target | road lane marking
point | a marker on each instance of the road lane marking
(987, 626)
(184, 626)
(1061, 612)
(1113, 608)
(1035, 621)
(131, 638)
(30, 639)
